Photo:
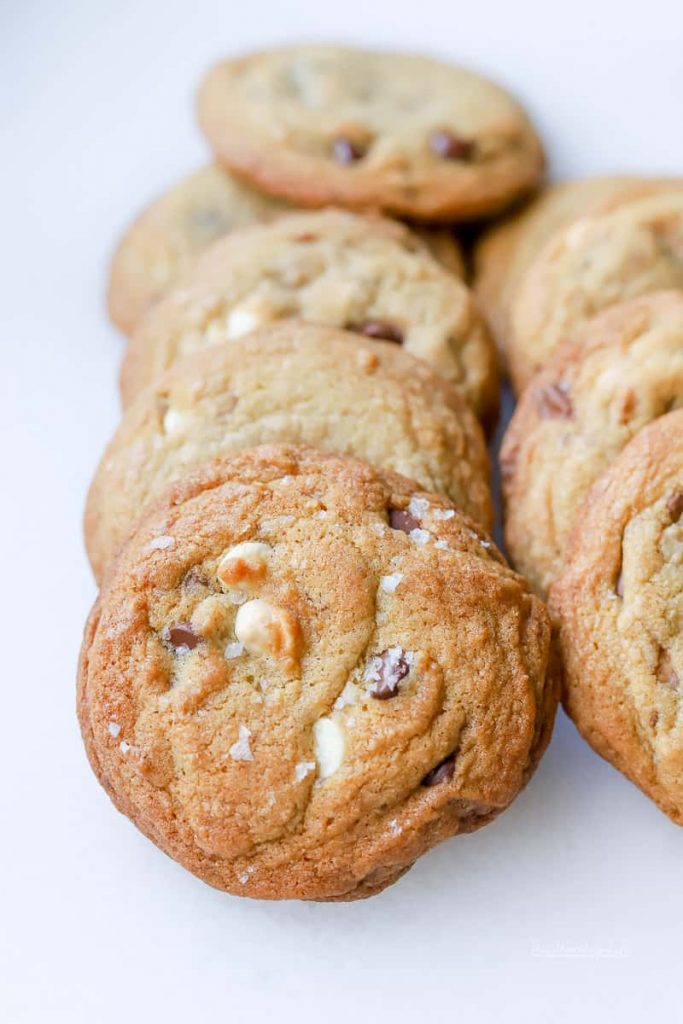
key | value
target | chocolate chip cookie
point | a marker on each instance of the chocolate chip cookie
(166, 239)
(303, 672)
(403, 134)
(508, 248)
(620, 605)
(289, 382)
(366, 274)
(623, 370)
(169, 236)
(597, 261)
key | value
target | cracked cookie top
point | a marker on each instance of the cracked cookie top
(622, 371)
(302, 672)
(292, 382)
(619, 602)
(404, 134)
(364, 274)
(594, 263)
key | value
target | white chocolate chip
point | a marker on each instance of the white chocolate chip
(420, 537)
(379, 528)
(390, 583)
(240, 321)
(243, 878)
(114, 729)
(160, 543)
(442, 545)
(173, 421)
(417, 507)
(240, 750)
(234, 650)
(244, 565)
(329, 746)
(264, 628)
(349, 695)
(444, 513)
(394, 827)
(302, 769)
(124, 747)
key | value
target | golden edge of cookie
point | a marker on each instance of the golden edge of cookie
(481, 191)
(593, 562)
(392, 361)
(453, 819)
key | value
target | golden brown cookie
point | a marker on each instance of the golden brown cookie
(508, 248)
(168, 237)
(594, 263)
(624, 369)
(369, 275)
(172, 232)
(620, 606)
(290, 382)
(366, 130)
(303, 672)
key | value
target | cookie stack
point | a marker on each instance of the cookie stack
(583, 292)
(308, 662)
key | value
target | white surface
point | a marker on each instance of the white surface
(569, 906)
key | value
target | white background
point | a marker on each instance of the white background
(569, 907)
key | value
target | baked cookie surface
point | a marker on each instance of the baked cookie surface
(365, 274)
(596, 262)
(624, 370)
(174, 230)
(303, 672)
(620, 606)
(506, 250)
(404, 134)
(291, 382)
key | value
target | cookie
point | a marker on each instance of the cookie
(369, 275)
(169, 236)
(303, 672)
(289, 382)
(624, 370)
(620, 606)
(508, 248)
(401, 134)
(596, 262)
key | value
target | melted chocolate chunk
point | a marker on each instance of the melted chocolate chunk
(442, 772)
(380, 329)
(348, 151)
(553, 402)
(674, 506)
(450, 146)
(400, 519)
(183, 637)
(386, 672)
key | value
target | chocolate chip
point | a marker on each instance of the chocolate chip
(381, 329)
(347, 151)
(666, 673)
(183, 637)
(674, 506)
(450, 146)
(386, 672)
(399, 519)
(553, 402)
(442, 772)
